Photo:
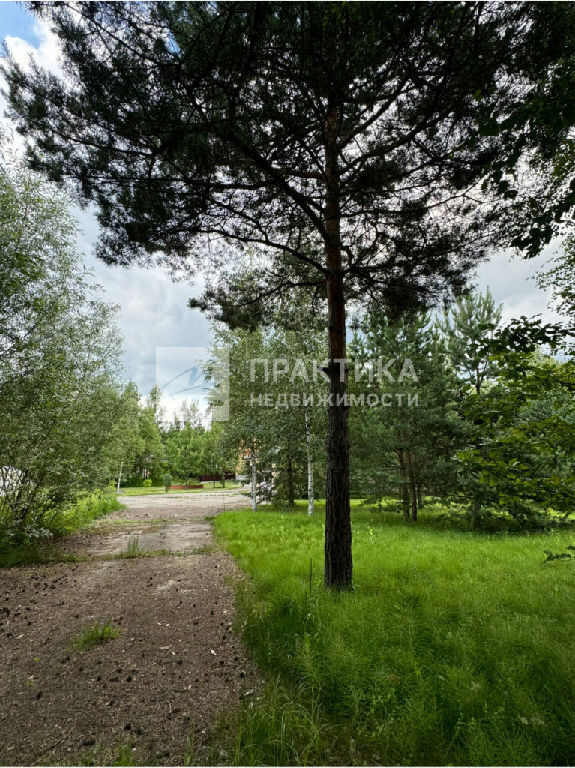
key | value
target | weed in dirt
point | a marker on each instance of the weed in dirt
(132, 547)
(87, 758)
(190, 756)
(124, 755)
(206, 549)
(128, 521)
(144, 553)
(98, 634)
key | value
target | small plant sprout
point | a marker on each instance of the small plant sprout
(97, 634)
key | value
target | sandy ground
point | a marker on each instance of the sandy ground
(175, 666)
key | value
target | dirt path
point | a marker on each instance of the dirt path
(157, 687)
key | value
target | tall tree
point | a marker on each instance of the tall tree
(60, 398)
(467, 326)
(149, 460)
(341, 138)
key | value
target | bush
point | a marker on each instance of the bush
(58, 521)
(147, 483)
(22, 545)
(86, 509)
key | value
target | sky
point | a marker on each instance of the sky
(153, 310)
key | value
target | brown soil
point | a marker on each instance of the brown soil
(162, 683)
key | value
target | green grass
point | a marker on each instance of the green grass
(94, 635)
(453, 648)
(208, 486)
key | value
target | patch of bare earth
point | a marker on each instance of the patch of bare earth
(174, 668)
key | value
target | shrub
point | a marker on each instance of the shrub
(147, 483)
(56, 521)
(86, 509)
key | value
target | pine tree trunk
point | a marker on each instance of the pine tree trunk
(310, 498)
(338, 557)
(404, 486)
(290, 484)
(254, 481)
(412, 487)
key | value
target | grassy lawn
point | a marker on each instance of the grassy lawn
(454, 647)
(208, 486)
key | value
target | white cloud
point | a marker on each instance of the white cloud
(153, 312)
(46, 53)
(511, 281)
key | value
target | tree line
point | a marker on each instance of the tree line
(483, 417)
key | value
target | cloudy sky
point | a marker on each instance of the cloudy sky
(153, 309)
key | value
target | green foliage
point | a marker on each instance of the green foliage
(453, 648)
(167, 481)
(124, 755)
(559, 556)
(521, 455)
(61, 403)
(31, 553)
(87, 508)
(421, 133)
(282, 442)
(560, 278)
(466, 327)
(94, 635)
(147, 483)
(187, 449)
(64, 520)
(148, 454)
(402, 445)
(494, 426)
(539, 129)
